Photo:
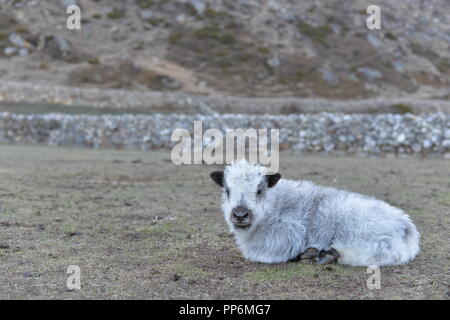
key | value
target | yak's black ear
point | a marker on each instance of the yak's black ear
(217, 176)
(272, 179)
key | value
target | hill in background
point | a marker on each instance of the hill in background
(232, 47)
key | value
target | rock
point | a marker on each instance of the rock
(19, 4)
(62, 45)
(273, 62)
(23, 52)
(4, 245)
(426, 144)
(370, 74)
(417, 148)
(287, 16)
(198, 5)
(16, 39)
(61, 49)
(181, 18)
(447, 134)
(68, 3)
(374, 40)
(9, 51)
(146, 14)
(337, 29)
(369, 141)
(398, 66)
(446, 144)
(169, 82)
(274, 5)
(175, 277)
(329, 77)
(328, 147)
(401, 138)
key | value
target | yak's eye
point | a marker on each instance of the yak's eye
(259, 192)
(227, 191)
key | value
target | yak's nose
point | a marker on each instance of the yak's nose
(241, 214)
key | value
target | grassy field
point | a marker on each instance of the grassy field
(140, 227)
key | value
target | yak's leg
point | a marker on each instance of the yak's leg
(312, 255)
(328, 256)
(309, 256)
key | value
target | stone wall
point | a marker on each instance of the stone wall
(324, 132)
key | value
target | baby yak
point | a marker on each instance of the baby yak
(276, 220)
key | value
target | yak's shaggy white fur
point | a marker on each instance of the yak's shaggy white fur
(295, 215)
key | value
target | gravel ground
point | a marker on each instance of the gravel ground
(140, 227)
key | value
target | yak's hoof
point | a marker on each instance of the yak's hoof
(310, 254)
(329, 256)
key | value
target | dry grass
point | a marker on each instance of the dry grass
(149, 229)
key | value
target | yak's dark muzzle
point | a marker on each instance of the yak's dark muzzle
(241, 217)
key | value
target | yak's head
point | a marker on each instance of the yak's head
(245, 187)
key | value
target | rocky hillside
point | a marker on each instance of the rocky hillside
(261, 48)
